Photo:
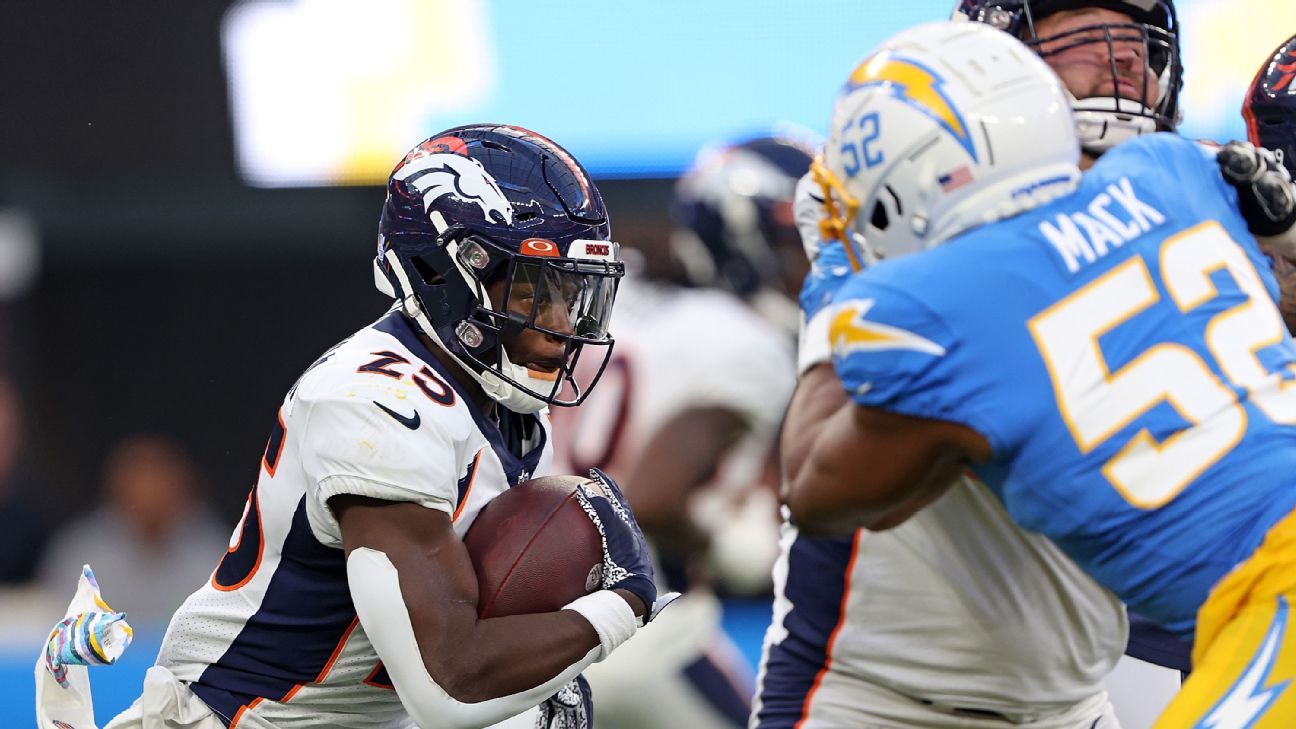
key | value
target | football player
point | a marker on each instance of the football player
(346, 597)
(685, 418)
(1270, 114)
(1013, 630)
(1107, 357)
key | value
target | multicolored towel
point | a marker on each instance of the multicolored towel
(91, 634)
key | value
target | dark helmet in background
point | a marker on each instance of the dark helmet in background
(1102, 122)
(734, 223)
(1270, 105)
(478, 204)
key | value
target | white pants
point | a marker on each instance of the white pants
(868, 706)
(167, 704)
(653, 680)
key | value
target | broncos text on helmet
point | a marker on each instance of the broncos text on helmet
(480, 204)
(1103, 121)
(1270, 106)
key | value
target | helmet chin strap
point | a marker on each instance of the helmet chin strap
(495, 387)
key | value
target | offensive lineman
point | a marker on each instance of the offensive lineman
(346, 598)
(1127, 396)
(1011, 631)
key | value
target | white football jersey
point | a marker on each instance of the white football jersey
(273, 639)
(957, 606)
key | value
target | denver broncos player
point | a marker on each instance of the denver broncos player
(1270, 105)
(1107, 357)
(685, 418)
(1270, 113)
(346, 598)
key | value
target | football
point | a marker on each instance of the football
(534, 549)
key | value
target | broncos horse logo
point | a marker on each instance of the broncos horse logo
(436, 175)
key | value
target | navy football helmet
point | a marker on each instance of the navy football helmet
(1270, 106)
(480, 205)
(734, 223)
(1102, 121)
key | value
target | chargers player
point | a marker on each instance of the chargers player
(1013, 630)
(346, 597)
(1108, 357)
(685, 418)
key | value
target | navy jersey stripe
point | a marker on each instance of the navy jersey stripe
(512, 428)
(305, 613)
(274, 446)
(715, 688)
(1154, 644)
(466, 484)
(816, 582)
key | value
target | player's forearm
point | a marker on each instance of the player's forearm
(506, 655)
(874, 469)
(440, 692)
(512, 654)
(837, 489)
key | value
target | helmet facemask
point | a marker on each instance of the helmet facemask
(565, 300)
(1105, 119)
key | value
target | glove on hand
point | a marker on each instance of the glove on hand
(627, 563)
(571, 708)
(1266, 196)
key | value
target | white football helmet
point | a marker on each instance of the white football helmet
(946, 126)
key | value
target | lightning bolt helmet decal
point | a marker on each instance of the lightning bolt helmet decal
(916, 85)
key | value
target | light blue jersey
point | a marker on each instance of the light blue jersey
(1121, 351)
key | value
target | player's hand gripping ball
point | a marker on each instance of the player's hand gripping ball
(534, 549)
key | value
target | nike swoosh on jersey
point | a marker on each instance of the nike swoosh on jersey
(849, 331)
(409, 421)
(1246, 701)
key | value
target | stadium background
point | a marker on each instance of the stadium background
(189, 192)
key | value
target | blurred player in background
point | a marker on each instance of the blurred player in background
(1122, 391)
(346, 597)
(1011, 630)
(685, 418)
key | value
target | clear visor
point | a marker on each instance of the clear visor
(568, 299)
